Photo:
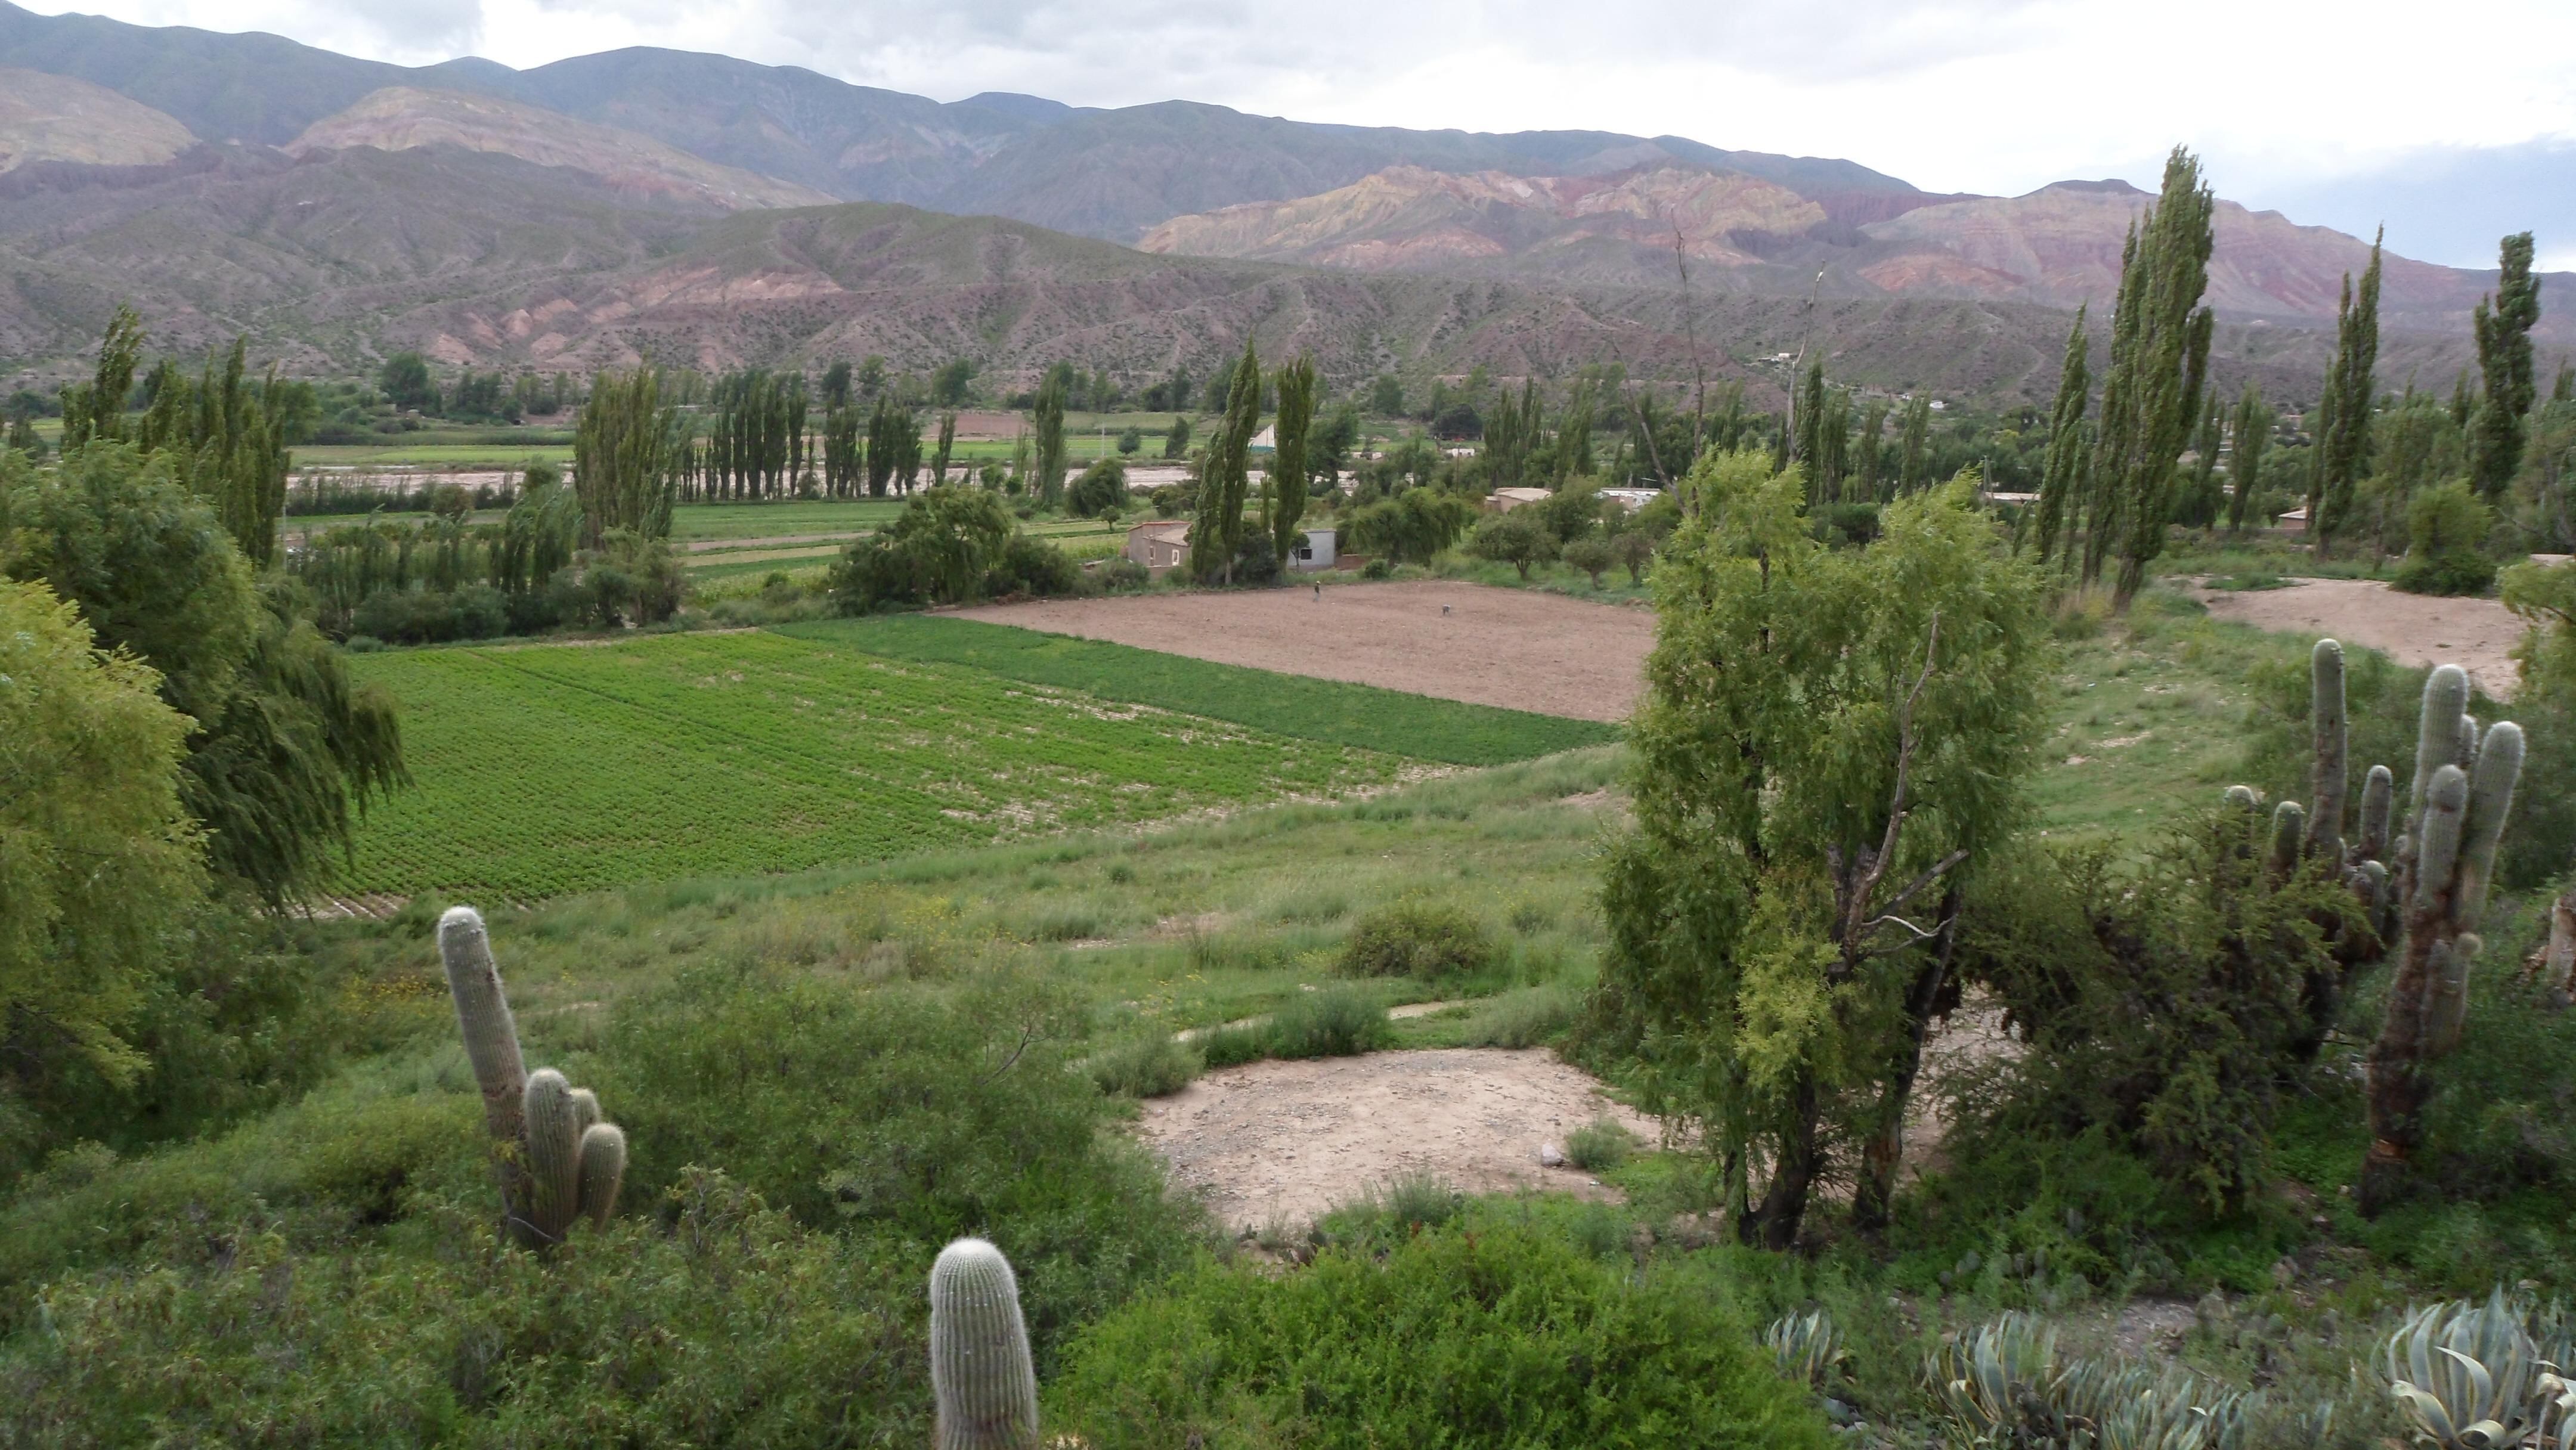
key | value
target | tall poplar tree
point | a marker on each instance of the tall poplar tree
(2159, 361)
(2200, 505)
(2245, 465)
(2343, 437)
(1050, 426)
(1867, 469)
(1287, 502)
(2061, 482)
(1915, 452)
(2504, 362)
(1217, 536)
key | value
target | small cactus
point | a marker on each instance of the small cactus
(2288, 825)
(555, 1159)
(980, 1371)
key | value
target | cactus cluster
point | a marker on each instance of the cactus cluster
(980, 1372)
(2314, 832)
(2456, 810)
(556, 1159)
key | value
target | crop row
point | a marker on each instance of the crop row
(543, 771)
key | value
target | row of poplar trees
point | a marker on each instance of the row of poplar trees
(761, 442)
(2110, 488)
(1217, 535)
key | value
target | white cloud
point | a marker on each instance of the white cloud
(2281, 96)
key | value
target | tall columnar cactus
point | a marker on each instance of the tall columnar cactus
(2326, 769)
(554, 1157)
(980, 1371)
(2463, 792)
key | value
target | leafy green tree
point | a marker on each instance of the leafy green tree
(228, 442)
(1386, 396)
(2505, 365)
(1285, 507)
(836, 385)
(947, 447)
(627, 449)
(936, 552)
(285, 744)
(2200, 504)
(2159, 363)
(99, 863)
(1516, 538)
(1593, 556)
(2245, 464)
(22, 437)
(1176, 442)
(1915, 451)
(2343, 425)
(96, 409)
(1867, 463)
(1225, 481)
(950, 384)
(1832, 739)
(405, 382)
(2061, 486)
(2447, 531)
(1101, 489)
(1411, 527)
(1130, 439)
(1049, 417)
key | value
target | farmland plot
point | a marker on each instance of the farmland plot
(546, 770)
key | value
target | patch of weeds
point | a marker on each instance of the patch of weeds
(1339, 1021)
(1599, 1146)
(1147, 1065)
(1417, 937)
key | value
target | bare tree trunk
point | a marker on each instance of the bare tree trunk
(1784, 1204)
(1883, 1154)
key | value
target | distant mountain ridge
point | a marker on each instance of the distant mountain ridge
(1103, 173)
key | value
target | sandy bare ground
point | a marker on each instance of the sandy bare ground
(2414, 629)
(1517, 648)
(1287, 1140)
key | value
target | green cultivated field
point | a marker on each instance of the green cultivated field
(1325, 710)
(547, 770)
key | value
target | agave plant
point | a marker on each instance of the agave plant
(1998, 1385)
(2553, 1413)
(2126, 1407)
(2466, 1373)
(1808, 1346)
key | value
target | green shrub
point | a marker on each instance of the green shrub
(1414, 937)
(1338, 1021)
(1501, 1337)
(1147, 1065)
(1599, 1146)
(2446, 533)
(728, 1324)
(1528, 1017)
(900, 1113)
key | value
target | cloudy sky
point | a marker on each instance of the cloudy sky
(2452, 127)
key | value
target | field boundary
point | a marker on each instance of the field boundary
(1335, 712)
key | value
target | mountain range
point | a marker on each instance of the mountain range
(697, 207)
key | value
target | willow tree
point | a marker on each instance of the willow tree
(2342, 428)
(1831, 740)
(1225, 478)
(2159, 364)
(626, 453)
(2504, 364)
(2061, 483)
(1285, 507)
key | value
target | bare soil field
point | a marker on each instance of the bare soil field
(2413, 629)
(1287, 1140)
(1517, 648)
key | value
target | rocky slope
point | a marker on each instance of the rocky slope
(56, 118)
(403, 118)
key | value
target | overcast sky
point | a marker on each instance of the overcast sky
(2453, 125)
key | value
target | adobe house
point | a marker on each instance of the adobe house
(1504, 500)
(1160, 545)
(1316, 552)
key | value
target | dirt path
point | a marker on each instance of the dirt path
(1288, 1140)
(2414, 629)
(1517, 648)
